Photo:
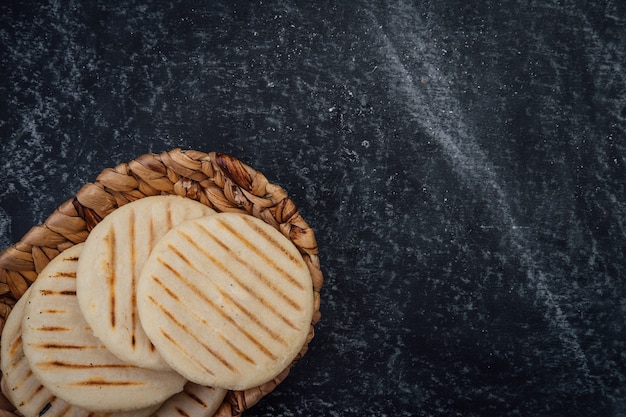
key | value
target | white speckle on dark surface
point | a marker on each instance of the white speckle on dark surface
(462, 164)
(5, 229)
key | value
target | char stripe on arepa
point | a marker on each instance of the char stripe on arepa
(112, 277)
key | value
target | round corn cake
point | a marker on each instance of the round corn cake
(70, 361)
(226, 299)
(114, 255)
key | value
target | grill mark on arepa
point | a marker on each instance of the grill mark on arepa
(68, 408)
(133, 280)
(53, 292)
(267, 281)
(64, 274)
(181, 412)
(180, 255)
(169, 292)
(181, 326)
(17, 343)
(152, 238)
(102, 381)
(53, 329)
(112, 274)
(55, 364)
(151, 234)
(195, 399)
(53, 311)
(237, 351)
(270, 238)
(215, 307)
(62, 346)
(262, 254)
(182, 349)
(37, 390)
(170, 214)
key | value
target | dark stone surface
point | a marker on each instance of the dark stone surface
(463, 167)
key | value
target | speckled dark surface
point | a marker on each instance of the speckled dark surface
(463, 167)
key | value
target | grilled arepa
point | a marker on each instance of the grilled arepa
(70, 361)
(226, 299)
(114, 255)
(24, 390)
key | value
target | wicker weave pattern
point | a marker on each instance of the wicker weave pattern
(217, 180)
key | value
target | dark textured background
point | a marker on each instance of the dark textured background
(463, 167)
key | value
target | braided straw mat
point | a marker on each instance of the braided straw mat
(220, 181)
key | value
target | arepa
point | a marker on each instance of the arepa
(114, 254)
(24, 390)
(70, 361)
(226, 299)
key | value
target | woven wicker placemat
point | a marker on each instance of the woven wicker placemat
(220, 181)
